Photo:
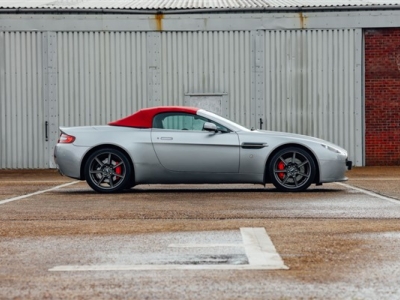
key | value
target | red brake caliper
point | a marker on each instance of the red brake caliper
(118, 170)
(281, 166)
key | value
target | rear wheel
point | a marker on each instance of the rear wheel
(108, 170)
(292, 169)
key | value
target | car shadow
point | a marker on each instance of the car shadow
(216, 190)
(150, 190)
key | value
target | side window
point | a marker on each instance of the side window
(182, 121)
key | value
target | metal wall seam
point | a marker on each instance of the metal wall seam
(360, 95)
(17, 105)
(358, 135)
(14, 108)
(21, 92)
(35, 104)
(3, 115)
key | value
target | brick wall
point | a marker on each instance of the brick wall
(382, 96)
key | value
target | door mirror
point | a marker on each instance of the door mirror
(209, 126)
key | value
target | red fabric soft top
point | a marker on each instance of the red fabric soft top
(144, 118)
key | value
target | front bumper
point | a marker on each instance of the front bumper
(333, 170)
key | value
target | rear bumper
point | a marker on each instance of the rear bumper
(68, 159)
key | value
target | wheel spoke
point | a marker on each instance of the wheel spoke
(119, 175)
(286, 179)
(280, 171)
(303, 163)
(96, 172)
(284, 162)
(110, 181)
(304, 175)
(117, 165)
(99, 161)
(295, 181)
(101, 179)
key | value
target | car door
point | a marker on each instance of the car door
(181, 145)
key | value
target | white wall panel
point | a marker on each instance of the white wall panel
(313, 85)
(208, 63)
(21, 101)
(105, 76)
(102, 76)
(301, 81)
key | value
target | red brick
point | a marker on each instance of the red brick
(382, 96)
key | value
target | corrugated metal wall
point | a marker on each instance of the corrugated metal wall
(313, 85)
(208, 63)
(101, 76)
(22, 110)
(104, 76)
(305, 81)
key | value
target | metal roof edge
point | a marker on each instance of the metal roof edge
(195, 10)
(77, 10)
(282, 9)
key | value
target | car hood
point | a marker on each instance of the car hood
(296, 136)
(288, 134)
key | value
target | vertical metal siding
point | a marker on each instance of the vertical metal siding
(22, 118)
(301, 81)
(101, 76)
(313, 85)
(208, 62)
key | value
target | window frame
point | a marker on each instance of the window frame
(220, 128)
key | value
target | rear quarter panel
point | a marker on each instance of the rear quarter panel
(135, 142)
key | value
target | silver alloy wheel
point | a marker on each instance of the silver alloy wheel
(293, 169)
(107, 170)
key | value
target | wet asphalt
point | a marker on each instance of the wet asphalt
(338, 241)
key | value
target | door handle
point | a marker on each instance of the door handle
(166, 138)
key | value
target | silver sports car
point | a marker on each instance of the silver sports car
(179, 144)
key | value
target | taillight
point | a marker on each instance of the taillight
(66, 139)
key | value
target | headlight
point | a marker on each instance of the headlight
(333, 149)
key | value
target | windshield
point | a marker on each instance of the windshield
(232, 125)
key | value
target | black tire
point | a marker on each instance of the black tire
(292, 169)
(108, 170)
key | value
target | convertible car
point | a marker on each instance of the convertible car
(176, 144)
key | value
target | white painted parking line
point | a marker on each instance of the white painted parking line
(260, 251)
(33, 181)
(160, 267)
(203, 245)
(259, 248)
(368, 192)
(37, 193)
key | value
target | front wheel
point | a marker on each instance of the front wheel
(292, 169)
(108, 170)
